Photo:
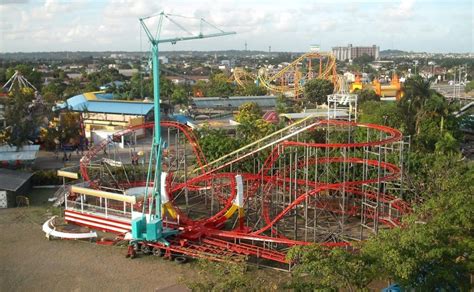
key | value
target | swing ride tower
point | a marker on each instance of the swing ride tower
(151, 229)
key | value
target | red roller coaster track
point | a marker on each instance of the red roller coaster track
(254, 241)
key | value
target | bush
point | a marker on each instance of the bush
(229, 276)
(46, 177)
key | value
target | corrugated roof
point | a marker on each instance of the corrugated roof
(10, 153)
(113, 107)
(98, 102)
(12, 180)
(338, 114)
(234, 101)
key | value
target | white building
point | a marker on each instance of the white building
(350, 52)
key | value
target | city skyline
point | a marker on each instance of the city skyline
(83, 25)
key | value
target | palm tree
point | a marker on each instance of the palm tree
(417, 93)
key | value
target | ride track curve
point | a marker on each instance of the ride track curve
(267, 178)
(290, 79)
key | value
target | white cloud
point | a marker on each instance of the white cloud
(286, 25)
(130, 8)
(403, 10)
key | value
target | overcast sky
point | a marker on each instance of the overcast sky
(291, 25)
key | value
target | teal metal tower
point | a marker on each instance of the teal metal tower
(151, 229)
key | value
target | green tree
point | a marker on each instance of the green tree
(381, 113)
(363, 60)
(281, 104)
(432, 250)
(323, 268)
(251, 89)
(248, 112)
(228, 276)
(3, 75)
(417, 92)
(219, 86)
(167, 89)
(139, 87)
(72, 89)
(251, 131)
(23, 116)
(317, 90)
(142, 86)
(200, 88)
(216, 143)
(102, 77)
(366, 94)
(179, 96)
(469, 86)
(54, 90)
(252, 127)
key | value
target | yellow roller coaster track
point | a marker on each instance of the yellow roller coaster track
(279, 82)
(327, 70)
(242, 77)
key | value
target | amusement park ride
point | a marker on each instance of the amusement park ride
(393, 89)
(324, 181)
(20, 80)
(153, 229)
(290, 80)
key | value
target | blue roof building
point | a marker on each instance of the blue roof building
(102, 115)
(99, 102)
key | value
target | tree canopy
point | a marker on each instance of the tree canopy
(219, 86)
(363, 60)
(25, 113)
(317, 90)
(433, 247)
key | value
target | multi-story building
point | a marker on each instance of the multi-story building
(350, 52)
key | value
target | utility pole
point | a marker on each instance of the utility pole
(454, 83)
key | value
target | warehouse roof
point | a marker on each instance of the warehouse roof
(266, 101)
(12, 180)
(12, 153)
(100, 102)
(321, 113)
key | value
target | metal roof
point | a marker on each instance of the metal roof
(113, 107)
(11, 153)
(12, 180)
(234, 101)
(338, 114)
(99, 102)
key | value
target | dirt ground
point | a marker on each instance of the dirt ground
(29, 262)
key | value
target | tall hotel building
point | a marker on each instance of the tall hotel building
(350, 52)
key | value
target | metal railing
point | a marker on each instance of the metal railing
(97, 210)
